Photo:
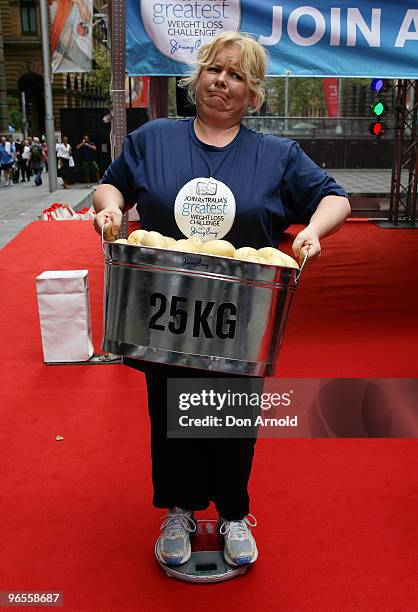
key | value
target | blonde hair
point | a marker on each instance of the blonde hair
(253, 59)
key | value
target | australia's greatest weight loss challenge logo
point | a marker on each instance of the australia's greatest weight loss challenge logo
(205, 208)
(178, 29)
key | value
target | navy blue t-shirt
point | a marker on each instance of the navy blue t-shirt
(273, 181)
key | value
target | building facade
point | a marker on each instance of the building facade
(21, 70)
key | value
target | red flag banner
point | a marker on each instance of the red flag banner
(71, 35)
(136, 92)
(331, 96)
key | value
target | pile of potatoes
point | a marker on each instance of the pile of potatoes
(219, 248)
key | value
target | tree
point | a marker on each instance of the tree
(15, 113)
(99, 78)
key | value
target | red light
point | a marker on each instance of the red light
(377, 128)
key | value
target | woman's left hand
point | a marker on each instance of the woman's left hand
(306, 240)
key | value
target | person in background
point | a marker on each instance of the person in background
(87, 151)
(18, 156)
(7, 159)
(44, 152)
(271, 182)
(24, 161)
(36, 160)
(64, 155)
(29, 167)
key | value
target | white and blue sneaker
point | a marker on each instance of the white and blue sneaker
(239, 544)
(173, 546)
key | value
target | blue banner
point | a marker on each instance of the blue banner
(345, 39)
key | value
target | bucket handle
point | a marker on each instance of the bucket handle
(297, 277)
(103, 241)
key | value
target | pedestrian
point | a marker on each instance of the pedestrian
(64, 157)
(265, 182)
(29, 170)
(36, 160)
(7, 160)
(24, 161)
(18, 157)
(87, 151)
(44, 152)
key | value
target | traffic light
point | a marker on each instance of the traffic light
(378, 107)
(378, 86)
(378, 128)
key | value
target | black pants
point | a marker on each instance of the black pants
(23, 166)
(192, 472)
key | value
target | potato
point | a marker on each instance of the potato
(196, 239)
(121, 241)
(137, 236)
(267, 252)
(185, 245)
(244, 252)
(290, 262)
(253, 259)
(281, 259)
(222, 248)
(275, 257)
(154, 239)
(195, 245)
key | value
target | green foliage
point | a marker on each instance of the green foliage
(14, 111)
(99, 78)
(306, 96)
(172, 97)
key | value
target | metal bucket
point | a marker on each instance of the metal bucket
(198, 311)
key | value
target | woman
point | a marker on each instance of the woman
(64, 155)
(272, 183)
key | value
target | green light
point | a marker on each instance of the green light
(378, 108)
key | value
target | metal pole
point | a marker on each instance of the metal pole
(49, 113)
(117, 92)
(24, 118)
(339, 128)
(286, 101)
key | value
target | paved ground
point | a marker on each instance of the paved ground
(24, 202)
(364, 182)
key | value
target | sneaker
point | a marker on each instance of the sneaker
(173, 546)
(239, 544)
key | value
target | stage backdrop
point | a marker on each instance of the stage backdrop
(330, 38)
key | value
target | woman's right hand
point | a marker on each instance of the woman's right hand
(110, 219)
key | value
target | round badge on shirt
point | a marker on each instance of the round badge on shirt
(205, 207)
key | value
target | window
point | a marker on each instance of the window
(28, 17)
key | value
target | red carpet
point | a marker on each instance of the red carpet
(338, 526)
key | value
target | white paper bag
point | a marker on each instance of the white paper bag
(64, 314)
